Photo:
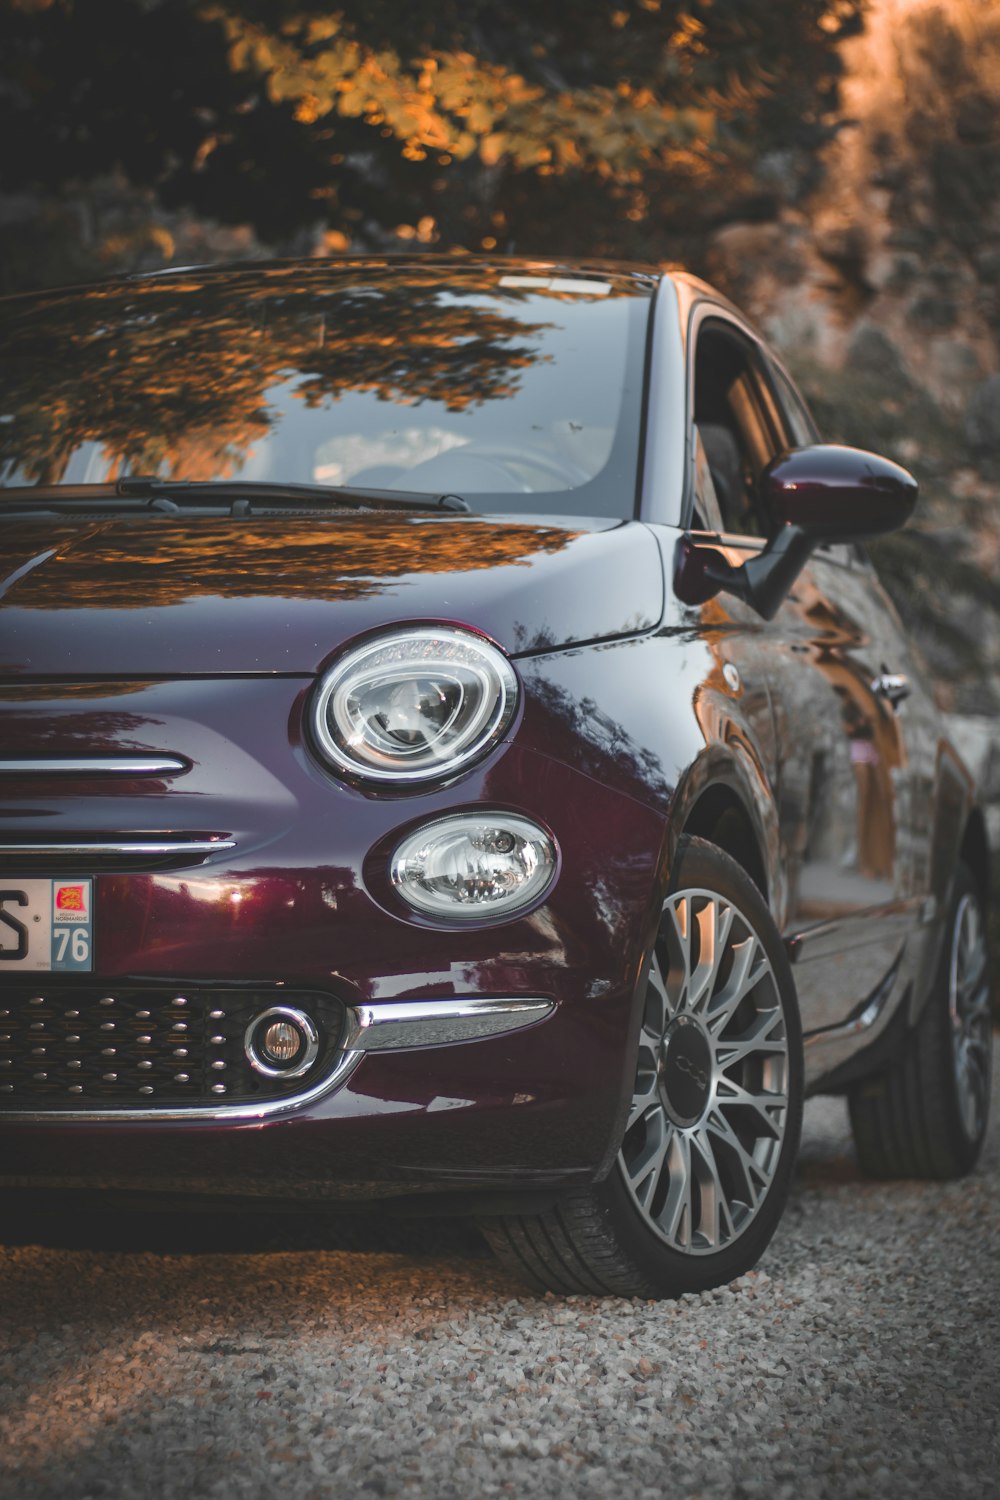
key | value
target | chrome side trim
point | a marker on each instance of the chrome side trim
(96, 765)
(75, 850)
(418, 1023)
(435, 1023)
(864, 1019)
(796, 943)
(841, 1033)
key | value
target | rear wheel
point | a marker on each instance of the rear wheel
(926, 1116)
(703, 1172)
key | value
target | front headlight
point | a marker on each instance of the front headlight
(414, 704)
(474, 866)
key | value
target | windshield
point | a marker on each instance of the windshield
(519, 390)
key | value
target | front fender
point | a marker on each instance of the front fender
(656, 719)
(727, 773)
(662, 718)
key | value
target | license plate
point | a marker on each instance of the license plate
(46, 926)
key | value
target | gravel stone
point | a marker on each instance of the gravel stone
(182, 1356)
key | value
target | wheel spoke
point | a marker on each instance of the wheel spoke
(972, 991)
(713, 1204)
(644, 1096)
(757, 1038)
(754, 1179)
(714, 921)
(644, 1170)
(762, 1102)
(970, 940)
(725, 1226)
(658, 1009)
(675, 1216)
(680, 958)
(749, 967)
(979, 1012)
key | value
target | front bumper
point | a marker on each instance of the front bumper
(303, 902)
(360, 1030)
(530, 1107)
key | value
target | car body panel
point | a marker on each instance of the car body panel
(160, 597)
(858, 877)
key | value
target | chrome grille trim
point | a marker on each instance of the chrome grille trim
(345, 1067)
(96, 765)
(413, 1024)
(74, 849)
(435, 1023)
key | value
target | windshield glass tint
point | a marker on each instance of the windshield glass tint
(520, 391)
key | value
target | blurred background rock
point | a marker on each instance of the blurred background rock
(833, 164)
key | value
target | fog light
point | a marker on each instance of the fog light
(474, 866)
(281, 1042)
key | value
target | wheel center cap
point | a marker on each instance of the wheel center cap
(685, 1071)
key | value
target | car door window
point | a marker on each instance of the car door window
(795, 415)
(736, 428)
(800, 432)
(707, 512)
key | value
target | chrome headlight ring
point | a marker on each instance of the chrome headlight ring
(413, 705)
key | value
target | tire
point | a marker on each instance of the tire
(927, 1115)
(703, 1171)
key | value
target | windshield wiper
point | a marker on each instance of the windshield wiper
(220, 497)
(270, 494)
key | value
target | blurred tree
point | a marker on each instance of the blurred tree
(594, 128)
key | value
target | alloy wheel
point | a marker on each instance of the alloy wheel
(969, 1008)
(710, 1103)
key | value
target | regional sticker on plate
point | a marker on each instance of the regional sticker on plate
(46, 925)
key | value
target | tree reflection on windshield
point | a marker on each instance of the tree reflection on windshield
(191, 376)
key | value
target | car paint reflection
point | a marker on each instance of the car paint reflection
(205, 596)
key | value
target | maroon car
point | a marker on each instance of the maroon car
(456, 755)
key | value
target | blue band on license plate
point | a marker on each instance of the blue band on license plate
(46, 926)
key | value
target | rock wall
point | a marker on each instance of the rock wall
(883, 292)
(893, 265)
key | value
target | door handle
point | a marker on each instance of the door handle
(892, 686)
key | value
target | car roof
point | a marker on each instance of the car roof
(644, 275)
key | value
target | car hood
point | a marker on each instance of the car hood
(168, 596)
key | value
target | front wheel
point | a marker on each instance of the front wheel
(713, 1123)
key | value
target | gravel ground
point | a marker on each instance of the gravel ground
(168, 1357)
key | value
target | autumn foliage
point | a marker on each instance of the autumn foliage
(593, 128)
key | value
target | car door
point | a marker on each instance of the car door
(843, 772)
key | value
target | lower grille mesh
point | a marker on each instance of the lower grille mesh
(68, 1046)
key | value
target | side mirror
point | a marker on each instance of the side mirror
(825, 493)
(838, 494)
